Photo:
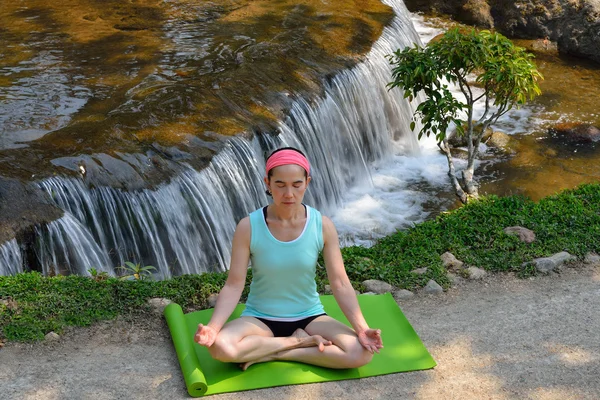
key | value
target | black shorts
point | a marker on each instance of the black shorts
(286, 328)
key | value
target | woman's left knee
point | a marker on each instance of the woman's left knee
(358, 356)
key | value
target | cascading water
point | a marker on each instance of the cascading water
(10, 258)
(185, 226)
(182, 227)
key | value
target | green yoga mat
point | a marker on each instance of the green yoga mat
(403, 351)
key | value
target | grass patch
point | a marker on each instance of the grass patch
(568, 221)
(34, 305)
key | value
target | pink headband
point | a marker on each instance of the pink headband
(285, 157)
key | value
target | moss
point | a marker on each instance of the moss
(246, 54)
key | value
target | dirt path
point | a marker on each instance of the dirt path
(502, 338)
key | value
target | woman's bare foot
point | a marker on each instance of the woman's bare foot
(304, 340)
(244, 366)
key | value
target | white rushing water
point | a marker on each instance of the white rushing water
(393, 198)
(11, 261)
(367, 166)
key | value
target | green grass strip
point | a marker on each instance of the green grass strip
(34, 305)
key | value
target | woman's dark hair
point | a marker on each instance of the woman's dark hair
(275, 151)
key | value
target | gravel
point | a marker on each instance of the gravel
(496, 338)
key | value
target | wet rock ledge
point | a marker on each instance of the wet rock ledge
(161, 82)
(167, 80)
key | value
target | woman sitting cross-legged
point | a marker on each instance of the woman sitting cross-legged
(284, 318)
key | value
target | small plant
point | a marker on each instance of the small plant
(505, 72)
(136, 271)
(98, 276)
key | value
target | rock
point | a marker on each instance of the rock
(576, 132)
(563, 257)
(9, 303)
(23, 206)
(420, 271)
(546, 265)
(451, 262)
(545, 45)
(433, 287)
(478, 13)
(51, 337)
(456, 279)
(592, 258)
(525, 235)
(476, 273)
(461, 141)
(550, 153)
(458, 153)
(373, 285)
(571, 25)
(369, 293)
(403, 294)
(212, 299)
(499, 139)
(474, 12)
(356, 292)
(158, 304)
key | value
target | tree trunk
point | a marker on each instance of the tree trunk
(460, 193)
(469, 183)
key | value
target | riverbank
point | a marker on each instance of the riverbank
(33, 305)
(498, 338)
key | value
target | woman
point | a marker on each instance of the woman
(284, 318)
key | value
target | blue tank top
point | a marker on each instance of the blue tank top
(283, 273)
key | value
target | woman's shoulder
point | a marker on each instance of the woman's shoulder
(313, 210)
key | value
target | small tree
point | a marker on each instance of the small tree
(505, 72)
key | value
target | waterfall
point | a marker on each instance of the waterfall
(11, 262)
(185, 226)
(66, 246)
(182, 227)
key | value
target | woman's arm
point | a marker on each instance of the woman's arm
(338, 279)
(236, 279)
(343, 291)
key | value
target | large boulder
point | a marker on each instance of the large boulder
(576, 132)
(499, 140)
(456, 140)
(474, 12)
(478, 13)
(22, 207)
(574, 25)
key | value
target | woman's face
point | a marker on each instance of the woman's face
(287, 184)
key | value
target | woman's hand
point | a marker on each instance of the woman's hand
(371, 340)
(205, 335)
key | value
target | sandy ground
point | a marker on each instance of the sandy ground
(501, 338)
